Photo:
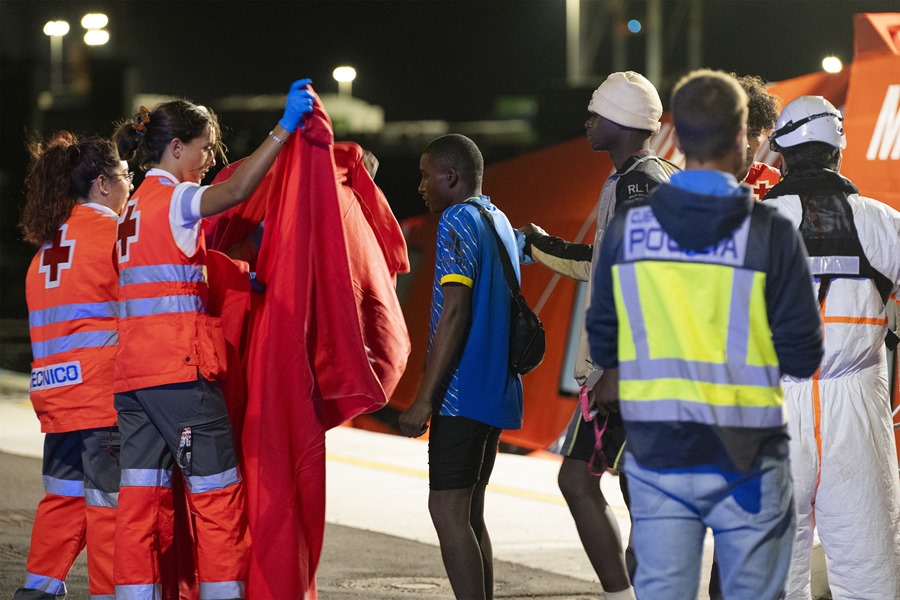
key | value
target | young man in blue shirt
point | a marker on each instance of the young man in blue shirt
(468, 389)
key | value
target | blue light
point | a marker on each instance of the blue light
(634, 26)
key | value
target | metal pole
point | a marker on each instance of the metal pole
(654, 42)
(56, 64)
(695, 35)
(619, 38)
(573, 42)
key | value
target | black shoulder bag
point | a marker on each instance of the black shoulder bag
(526, 332)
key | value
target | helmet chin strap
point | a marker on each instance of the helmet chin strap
(794, 125)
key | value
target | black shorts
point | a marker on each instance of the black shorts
(581, 438)
(461, 452)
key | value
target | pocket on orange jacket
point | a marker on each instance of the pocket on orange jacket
(211, 342)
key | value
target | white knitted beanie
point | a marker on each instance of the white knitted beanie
(629, 99)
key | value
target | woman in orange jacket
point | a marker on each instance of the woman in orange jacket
(74, 193)
(172, 352)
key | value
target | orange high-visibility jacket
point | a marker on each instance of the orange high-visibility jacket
(165, 333)
(71, 293)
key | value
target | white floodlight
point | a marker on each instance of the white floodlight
(96, 37)
(344, 76)
(832, 64)
(94, 21)
(56, 28)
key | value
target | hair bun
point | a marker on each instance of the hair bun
(140, 120)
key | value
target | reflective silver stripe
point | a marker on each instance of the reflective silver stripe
(833, 265)
(74, 341)
(49, 585)
(146, 478)
(704, 372)
(701, 412)
(739, 319)
(139, 591)
(197, 484)
(632, 300)
(221, 590)
(95, 497)
(71, 312)
(141, 307)
(187, 199)
(162, 273)
(64, 487)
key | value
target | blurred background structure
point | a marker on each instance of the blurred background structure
(515, 75)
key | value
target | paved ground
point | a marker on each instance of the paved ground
(382, 548)
(355, 563)
(386, 551)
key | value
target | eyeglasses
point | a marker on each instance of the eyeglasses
(129, 176)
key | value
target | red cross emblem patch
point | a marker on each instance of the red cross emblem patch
(128, 231)
(56, 256)
(760, 189)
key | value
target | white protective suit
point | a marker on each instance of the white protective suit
(843, 453)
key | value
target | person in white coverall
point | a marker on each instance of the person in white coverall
(843, 457)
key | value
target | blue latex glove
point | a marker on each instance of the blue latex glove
(299, 104)
(256, 285)
(257, 235)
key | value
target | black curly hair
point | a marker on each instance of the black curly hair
(764, 107)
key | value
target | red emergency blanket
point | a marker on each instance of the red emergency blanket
(327, 340)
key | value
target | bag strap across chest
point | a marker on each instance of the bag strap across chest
(508, 270)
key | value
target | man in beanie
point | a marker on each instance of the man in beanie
(701, 301)
(625, 112)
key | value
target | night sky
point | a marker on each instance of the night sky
(445, 60)
(432, 59)
(420, 59)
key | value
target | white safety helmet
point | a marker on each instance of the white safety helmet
(808, 119)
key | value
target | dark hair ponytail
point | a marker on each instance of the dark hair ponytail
(127, 141)
(144, 137)
(62, 170)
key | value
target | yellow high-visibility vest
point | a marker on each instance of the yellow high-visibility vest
(694, 338)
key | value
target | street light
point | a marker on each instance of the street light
(344, 76)
(94, 21)
(56, 30)
(96, 37)
(95, 34)
(832, 64)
